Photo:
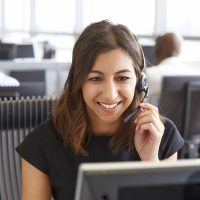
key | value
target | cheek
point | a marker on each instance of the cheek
(89, 92)
(128, 91)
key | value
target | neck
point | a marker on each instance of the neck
(101, 128)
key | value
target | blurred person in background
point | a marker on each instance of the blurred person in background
(168, 48)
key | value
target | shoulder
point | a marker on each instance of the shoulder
(169, 126)
(45, 133)
(38, 145)
(170, 131)
(172, 140)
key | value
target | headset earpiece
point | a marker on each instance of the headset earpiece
(141, 87)
(142, 83)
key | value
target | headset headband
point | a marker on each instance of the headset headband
(143, 66)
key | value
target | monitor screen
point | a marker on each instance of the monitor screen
(149, 52)
(7, 51)
(24, 51)
(139, 180)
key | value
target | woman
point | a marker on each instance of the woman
(87, 125)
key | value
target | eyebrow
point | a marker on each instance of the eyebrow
(121, 71)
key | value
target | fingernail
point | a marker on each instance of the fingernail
(135, 121)
(141, 104)
(136, 128)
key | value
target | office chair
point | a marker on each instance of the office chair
(17, 119)
(179, 102)
(191, 124)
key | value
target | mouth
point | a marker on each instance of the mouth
(109, 106)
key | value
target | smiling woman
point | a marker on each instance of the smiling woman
(102, 51)
(87, 126)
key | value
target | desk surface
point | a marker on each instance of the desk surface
(20, 64)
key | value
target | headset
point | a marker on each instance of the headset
(141, 87)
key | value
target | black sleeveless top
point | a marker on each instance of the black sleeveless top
(44, 149)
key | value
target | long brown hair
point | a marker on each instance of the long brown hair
(70, 117)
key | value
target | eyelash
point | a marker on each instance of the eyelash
(121, 78)
(95, 79)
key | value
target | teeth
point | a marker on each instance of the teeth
(109, 106)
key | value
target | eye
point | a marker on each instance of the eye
(95, 79)
(122, 78)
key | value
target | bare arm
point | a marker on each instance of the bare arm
(35, 184)
(171, 158)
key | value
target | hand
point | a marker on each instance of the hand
(148, 133)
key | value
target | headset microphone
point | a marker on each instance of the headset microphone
(141, 87)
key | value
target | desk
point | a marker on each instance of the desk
(55, 72)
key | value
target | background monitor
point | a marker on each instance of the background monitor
(7, 51)
(149, 52)
(139, 180)
(24, 51)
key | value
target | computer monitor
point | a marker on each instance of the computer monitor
(7, 51)
(139, 180)
(24, 51)
(149, 52)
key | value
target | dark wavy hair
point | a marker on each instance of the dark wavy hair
(70, 117)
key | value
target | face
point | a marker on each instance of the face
(109, 88)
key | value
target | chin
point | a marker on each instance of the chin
(110, 119)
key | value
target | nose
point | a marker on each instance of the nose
(110, 91)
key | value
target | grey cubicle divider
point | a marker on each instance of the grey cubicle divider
(17, 119)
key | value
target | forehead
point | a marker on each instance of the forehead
(113, 60)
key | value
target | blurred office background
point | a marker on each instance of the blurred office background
(56, 25)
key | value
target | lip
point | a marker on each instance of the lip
(109, 110)
(110, 103)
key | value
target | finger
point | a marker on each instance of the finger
(136, 119)
(149, 106)
(150, 119)
(140, 111)
(149, 112)
(154, 134)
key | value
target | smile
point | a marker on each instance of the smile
(109, 106)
